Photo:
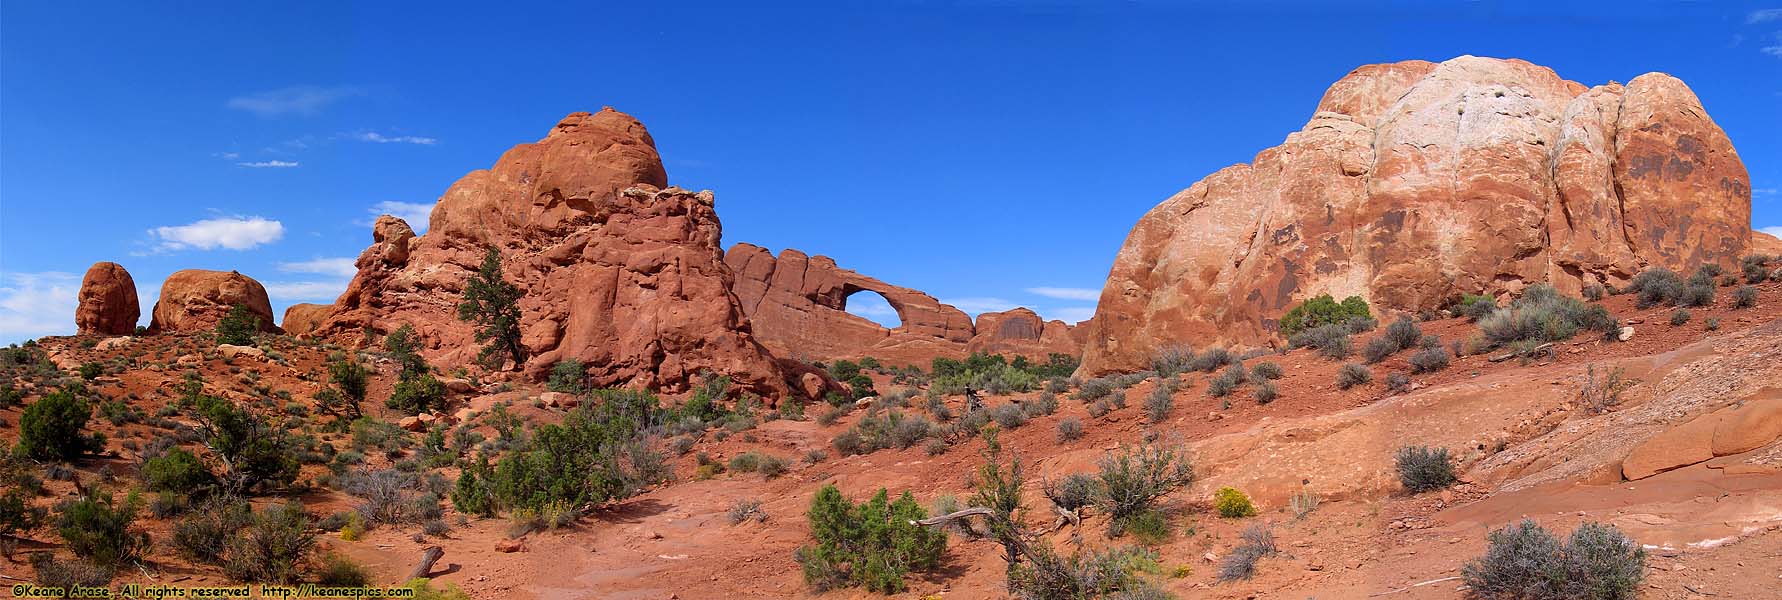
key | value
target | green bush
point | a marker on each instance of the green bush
(1322, 310)
(17, 514)
(1754, 267)
(253, 451)
(1475, 307)
(1210, 360)
(1265, 370)
(1159, 403)
(594, 456)
(1745, 297)
(1332, 341)
(1679, 317)
(68, 576)
(1070, 430)
(1232, 503)
(340, 571)
(54, 428)
(177, 471)
(1543, 315)
(1422, 469)
(568, 376)
(350, 382)
(97, 529)
(238, 327)
(1398, 383)
(1135, 479)
(471, 494)
(203, 535)
(1525, 562)
(1227, 381)
(1429, 360)
(873, 544)
(1659, 285)
(493, 305)
(91, 370)
(417, 394)
(1265, 392)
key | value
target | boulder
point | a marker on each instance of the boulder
(301, 319)
(1750, 425)
(1416, 182)
(194, 300)
(620, 270)
(107, 301)
(457, 386)
(1021, 331)
(232, 351)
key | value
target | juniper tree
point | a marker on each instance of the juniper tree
(494, 305)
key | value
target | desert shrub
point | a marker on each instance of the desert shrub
(1240, 563)
(350, 381)
(1594, 292)
(1352, 375)
(1170, 360)
(1397, 382)
(1378, 349)
(1698, 294)
(1070, 430)
(1303, 503)
(273, 548)
(1100, 408)
(238, 326)
(1745, 297)
(97, 529)
(1524, 561)
(1712, 324)
(935, 447)
(68, 576)
(753, 461)
(1656, 286)
(1265, 370)
(203, 535)
(177, 471)
(340, 571)
(54, 427)
(594, 456)
(1116, 573)
(1008, 416)
(1330, 340)
(493, 305)
(1476, 307)
(1159, 403)
(745, 510)
(1429, 360)
(254, 452)
(1150, 528)
(91, 370)
(1422, 469)
(873, 544)
(569, 376)
(1044, 404)
(1679, 317)
(1322, 310)
(835, 413)
(1210, 360)
(1599, 395)
(1544, 315)
(1265, 392)
(1075, 491)
(1094, 389)
(1135, 479)
(1233, 503)
(1227, 381)
(1403, 333)
(386, 495)
(17, 514)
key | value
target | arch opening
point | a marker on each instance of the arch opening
(872, 306)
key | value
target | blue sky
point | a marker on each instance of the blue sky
(991, 153)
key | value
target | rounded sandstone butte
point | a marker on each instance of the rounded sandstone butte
(108, 303)
(195, 299)
(1414, 183)
(1022, 331)
(303, 319)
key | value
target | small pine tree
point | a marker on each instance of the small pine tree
(238, 327)
(54, 427)
(494, 305)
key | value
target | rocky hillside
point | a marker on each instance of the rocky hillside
(1417, 182)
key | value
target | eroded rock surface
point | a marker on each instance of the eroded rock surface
(108, 304)
(195, 299)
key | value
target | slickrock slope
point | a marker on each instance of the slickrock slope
(108, 303)
(620, 270)
(1416, 182)
(195, 299)
(797, 305)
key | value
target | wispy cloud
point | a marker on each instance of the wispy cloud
(234, 233)
(1775, 230)
(415, 213)
(1775, 51)
(1762, 192)
(974, 306)
(1763, 16)
(269, 164)
(286, 292)
(1066, 293)
(295, 100)
(338, 267)
(34, 305)
(378, 138)
(1069, 314)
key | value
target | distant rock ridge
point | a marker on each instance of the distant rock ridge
(1416, 182)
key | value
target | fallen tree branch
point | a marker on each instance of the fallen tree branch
(429, 556)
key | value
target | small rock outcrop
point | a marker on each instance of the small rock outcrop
(108, 304)
(194, 300)
(304, 319)
(1416, 182)
(620, 270)
(1022, 331)
(797, 306)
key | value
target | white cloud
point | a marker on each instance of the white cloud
(338, 267)
(1775, 51)
(1069, 314)
(1762, 192)
(295, 100)
(228, 155)
(269, 164)
(415, 213)
(1763, 16)
(376, 138)
(234, 233)
(1774, 230)
(34, 305)
(1065, 293)
(289, 292)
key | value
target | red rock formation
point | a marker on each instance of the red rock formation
(619, 272)
(797, 307)
(194, 300)
(107, 301)
(303, 319)
(1021, 331)
(1416, 182)
(1763, 243)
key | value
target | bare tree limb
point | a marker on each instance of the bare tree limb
(431, 555)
